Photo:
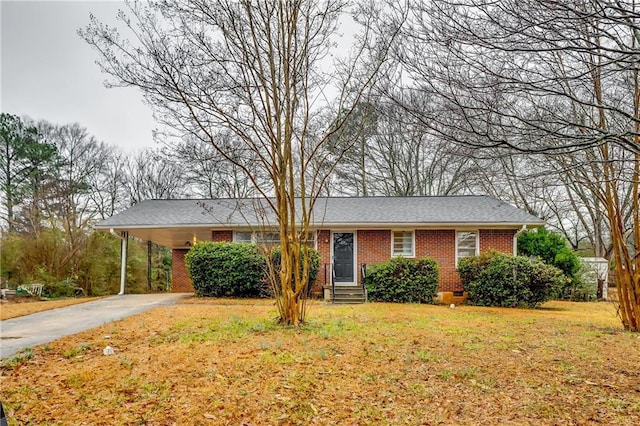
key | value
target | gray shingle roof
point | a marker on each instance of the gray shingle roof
(343, 211)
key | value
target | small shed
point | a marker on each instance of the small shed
(597, 273)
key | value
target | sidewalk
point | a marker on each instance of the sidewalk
(44, 327)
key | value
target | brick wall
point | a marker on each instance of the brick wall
(222, 236)
(374, 246)
(497, 239)
(180, 282)
(440, 244)
(324, 248)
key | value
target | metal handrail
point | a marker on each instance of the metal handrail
(333, 282)
(363, 274)
(324, 268)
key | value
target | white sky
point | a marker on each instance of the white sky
(48, 72)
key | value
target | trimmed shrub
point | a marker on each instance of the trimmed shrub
(236, 269)
(314, 267)
(403, 280)
(225, 269)
(497, 279)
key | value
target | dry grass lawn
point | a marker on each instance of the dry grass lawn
(225, 362)
(19, 306)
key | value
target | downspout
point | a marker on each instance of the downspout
(123, 257)
(515, 239)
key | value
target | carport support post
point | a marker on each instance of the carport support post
(123, 260)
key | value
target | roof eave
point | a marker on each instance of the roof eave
(353, 225)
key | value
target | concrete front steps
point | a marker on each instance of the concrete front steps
(349, 295)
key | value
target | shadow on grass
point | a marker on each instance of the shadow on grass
(551, 309)
(221, 301)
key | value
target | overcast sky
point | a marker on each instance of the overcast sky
(48, 72)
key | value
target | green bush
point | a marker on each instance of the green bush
(314, 267)
(225, 269)
(64, 288)
(403, 280)
(236, 269)
(497, 279)
(553, 249)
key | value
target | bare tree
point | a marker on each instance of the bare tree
(81, 158)
(246, 78)
(109, 194)
(406, 160)
(151, 175)
(65, 201)
(547, 187)
(539, 76)
(211, 175)
(393, 156)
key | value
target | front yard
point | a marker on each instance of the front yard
(225, 362)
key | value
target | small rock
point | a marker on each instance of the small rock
(108, 350)
(453, 305)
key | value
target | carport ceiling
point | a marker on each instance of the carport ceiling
(169, 237)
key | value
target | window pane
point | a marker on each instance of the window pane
(467, 244)
(242, 237)
(268, 238)
(403, 243)
(311, 239)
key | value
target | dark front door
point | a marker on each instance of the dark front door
(343, 257)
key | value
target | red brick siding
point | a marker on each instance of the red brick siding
(374, 246)
(324, 248)
(222, 236)
(440, 245)
(180, 282)
(497, 239)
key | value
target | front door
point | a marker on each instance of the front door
(343, 257)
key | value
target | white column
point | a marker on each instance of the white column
(123, 260)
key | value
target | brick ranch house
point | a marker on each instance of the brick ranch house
(347, 232)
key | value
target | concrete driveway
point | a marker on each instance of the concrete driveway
(44, 327)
